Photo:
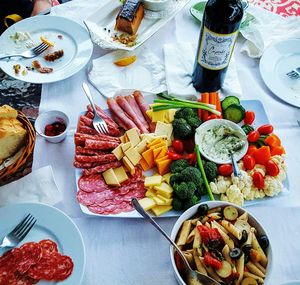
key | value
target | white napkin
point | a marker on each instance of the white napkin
(179, 63)
(266, 29)
(146, 73)
(38, 186)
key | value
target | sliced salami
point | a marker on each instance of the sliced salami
(101, 168)
(87, 121)
(86, 130)
(101, 158)
(64, 267)
(93, 144)
(99, 137)
(48, 247)
(45, 269)
(82, 164)
(82, 150)
(93, 198)
(92, 183)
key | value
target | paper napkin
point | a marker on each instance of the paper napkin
(266, 29)
(147, 73)
(179, 63)
(38, 186)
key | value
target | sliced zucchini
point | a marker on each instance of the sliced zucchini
(226, 269)
(230, 213)
(229, 101)
(234, 113)
(242, 225)
(249, 281)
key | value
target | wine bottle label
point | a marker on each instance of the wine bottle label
(216, 49)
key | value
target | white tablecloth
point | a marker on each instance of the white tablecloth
(130, 251)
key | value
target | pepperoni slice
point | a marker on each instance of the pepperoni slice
(45, 269)
(31, 254)
(64, 267)
(48, 247)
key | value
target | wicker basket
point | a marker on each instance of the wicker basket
(27, 150)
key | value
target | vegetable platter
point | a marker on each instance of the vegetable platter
(135, 158)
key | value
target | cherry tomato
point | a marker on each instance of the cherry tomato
(189, 145)
(258, 180)
(272, 168)
(265, 129)
(174, 155)
(249, 162)
(178, 146)
(212, 117)
(253, 136)
(191, 158)
(249, 117)
(225, 169)
(251, 149)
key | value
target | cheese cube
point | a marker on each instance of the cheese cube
(149, 113)
(163, 153)
(164, 187)
(159, 210)
(158, 116)
(147, 203)
(120, 174)
(128, 165)
(156, 151)
(125, 146)
(152, 180)
(143, 163)
(142, 146)
(154, 142)
(163, 166)
(170, 115)
(166, 177)
(150, 193)
(158, 201)
(149, 158)
(118, 152)
(161, 144)
(123, 139)
(133, 156)
(167, 201)
(110, 177)
(163, 129)
(133, 136)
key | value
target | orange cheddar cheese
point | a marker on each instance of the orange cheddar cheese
(156, 151)
(158, 145)
(144, 164)
(148, 156)
(163, 166)
(154, 142)
(163, 153)
(161, 158)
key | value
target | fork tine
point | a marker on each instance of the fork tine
(41, 45)
(40, 48)
(99, 129)
(24, 234)
(105, 127)
(21, 224)
(24, 226)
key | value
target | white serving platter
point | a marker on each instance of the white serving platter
(101, 24)
(260, 119)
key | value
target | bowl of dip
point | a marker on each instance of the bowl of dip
(218, 138)
(156, 5)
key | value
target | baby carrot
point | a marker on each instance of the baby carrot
(218, 105)
(204, 99)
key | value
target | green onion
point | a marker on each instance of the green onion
(210, 194)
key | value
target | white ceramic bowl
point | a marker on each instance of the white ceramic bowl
(156, 5)
(203, 128)
(212, 204)
(51, 117)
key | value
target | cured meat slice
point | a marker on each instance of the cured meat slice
(105, 116)
(101, 168)
(122, 102)
(31, 254)
(119, 122)
(144, 107)
(48, 247)
(130, 99)
(93, 144)
(24, 280)
(82, 165)
(118, 112)
(102, 158)
(87, 121)
(45, 269)
(93, 198)
(92, 183)
(100, 137)
(90, 114)
(82, 150)
(64, 267)
(85, 129)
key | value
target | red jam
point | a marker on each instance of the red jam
(55, 129)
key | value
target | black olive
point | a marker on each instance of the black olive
(235, 253)
(213, 244)
(246, 248)
(263, 241)
(203, 209)
(246, 258)
(244, 236)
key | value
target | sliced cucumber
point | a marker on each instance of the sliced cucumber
(234, 113)
(228, 101)
(230, 213)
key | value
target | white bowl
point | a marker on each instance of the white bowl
(156, 5)
(212, 204)
(203, 128)
(51, 117)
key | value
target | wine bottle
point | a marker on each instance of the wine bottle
(219, 30)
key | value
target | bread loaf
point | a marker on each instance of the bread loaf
(12, 133)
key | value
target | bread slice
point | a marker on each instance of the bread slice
(7, 112)
(12, 137)
(130, 17)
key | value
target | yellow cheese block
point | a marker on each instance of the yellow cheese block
(153, 180)
(118, 152)
(163, 129)
(149, 158)
(155, 141)
(110, 177)
(167, 201)
(149, 113)
(158, 116)
(133, 136)
(170, 115)
(123, 139)
(141, 146)
(163, 187)
(161, 144)
(158, 201)
(143, 163)
(133, 155)
(157, 151)
(120, 174)
(147, 203)
(129, 166)
(159, 210)
(150, 193)
(125, 146)
(164, 194)
(166, 177)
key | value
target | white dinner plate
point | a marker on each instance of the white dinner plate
(276, 61)
(295, 282)
(66, 34)
(51, 224)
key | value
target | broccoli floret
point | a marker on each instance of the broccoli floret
(184, 190)
(177, 204)
(185, 113)
(192, 174)
(191, 202)
(194, 122)
(181, 129)
(211, 170)
(175, 179)
(178, 165)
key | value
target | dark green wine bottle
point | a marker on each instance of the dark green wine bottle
(219, 30)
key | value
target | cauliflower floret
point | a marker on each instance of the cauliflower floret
(259, 194)
(273, 186)
(243, 182)
(224, 198)
(258, 167)
(220, 185)
(251, 194)
(241, 165)
(234, 195)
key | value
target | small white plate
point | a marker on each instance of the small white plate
(101, 24)
(75, 42)
(51, 224)
(278, 60)
(295, 282)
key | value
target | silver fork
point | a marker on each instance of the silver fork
(19, 232)
(294, 74)
(29, 53)
(98, 123)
